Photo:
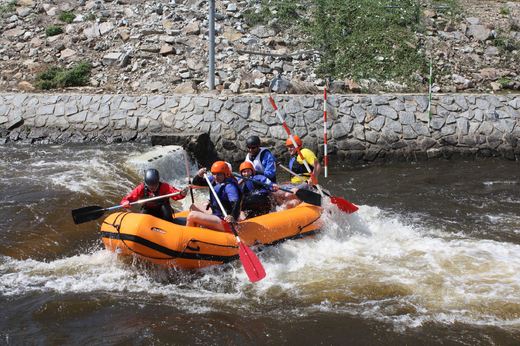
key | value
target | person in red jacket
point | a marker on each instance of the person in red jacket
(153, 187)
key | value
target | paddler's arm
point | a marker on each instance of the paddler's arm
(199, 178)
(234, 198)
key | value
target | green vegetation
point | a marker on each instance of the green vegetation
(8, 7)
(506, 44)
(504, 82)
(67, 16)
(363, 39)
(53, 30)
(450, 8)
(368, 39)
(257, 17)
(282, 13)
(90, 17)
(504, 10)
(56, 77)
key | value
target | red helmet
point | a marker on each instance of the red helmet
(221, 167)
(296, 139)
(246, 165)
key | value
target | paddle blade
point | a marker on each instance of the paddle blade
(85, 214)
(253, 267)
(343, 204)
(309, 197)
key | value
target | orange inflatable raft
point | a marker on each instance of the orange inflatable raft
(173, 245)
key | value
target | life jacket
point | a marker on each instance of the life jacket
(220, 190)
(299, 168)
(249, 187)
(257, 161)
(147, 193)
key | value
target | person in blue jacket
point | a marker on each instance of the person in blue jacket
(262, 159)
(228, 191)
(256, 191)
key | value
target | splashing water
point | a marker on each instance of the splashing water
(375, 264)
(368, 264)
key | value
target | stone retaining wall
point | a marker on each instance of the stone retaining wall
(361, 127)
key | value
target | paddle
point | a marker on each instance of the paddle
(314, 179)
(342, 203)
(303, 195)
(252, 266)
(94, 212)
(188, 174)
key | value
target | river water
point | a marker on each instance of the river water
(432, 256)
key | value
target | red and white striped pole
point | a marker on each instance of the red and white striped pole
(288, 131)
(325, 156)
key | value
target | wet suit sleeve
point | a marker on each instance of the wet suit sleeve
(234, 198)
(170, 189)
(199, 181)
(134, 195)
(261, 182)
(269, 163)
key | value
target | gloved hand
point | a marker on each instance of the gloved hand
(275, 187)
(229, 219)
(125, 204)
(184, 192)
(201, 172)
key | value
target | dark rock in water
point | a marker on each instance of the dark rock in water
(198, 144)
(129, 135)
(14, 123)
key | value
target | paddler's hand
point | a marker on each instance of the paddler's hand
(229, 219)
(202, 171)
(184, 192)
(125, 204)
(275, 187)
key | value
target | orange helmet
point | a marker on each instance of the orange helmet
(296, 139)
(246, 165)
(220, 167)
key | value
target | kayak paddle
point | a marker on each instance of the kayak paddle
(252, 265)
(188, 174)
(303, 195)
(342, 203)
(94, 212)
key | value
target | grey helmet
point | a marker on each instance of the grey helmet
(253, 141)
(151, 177)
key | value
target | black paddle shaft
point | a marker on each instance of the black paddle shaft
(304, 195)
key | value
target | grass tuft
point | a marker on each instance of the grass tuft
(56, 77)
(8, 7)
(53, 30)
(67, 17)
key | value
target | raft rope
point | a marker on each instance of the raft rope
(121, 238)
(307, 225)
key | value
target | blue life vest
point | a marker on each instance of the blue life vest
(222, 194)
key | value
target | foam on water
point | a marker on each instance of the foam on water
(371, 264)
(87, 171)
(374, 263)
(90, 171)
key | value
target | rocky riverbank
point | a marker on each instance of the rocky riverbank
(161, 47)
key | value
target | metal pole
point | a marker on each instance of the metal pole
(211, 77)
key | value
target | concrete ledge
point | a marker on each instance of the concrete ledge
(360, 127)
